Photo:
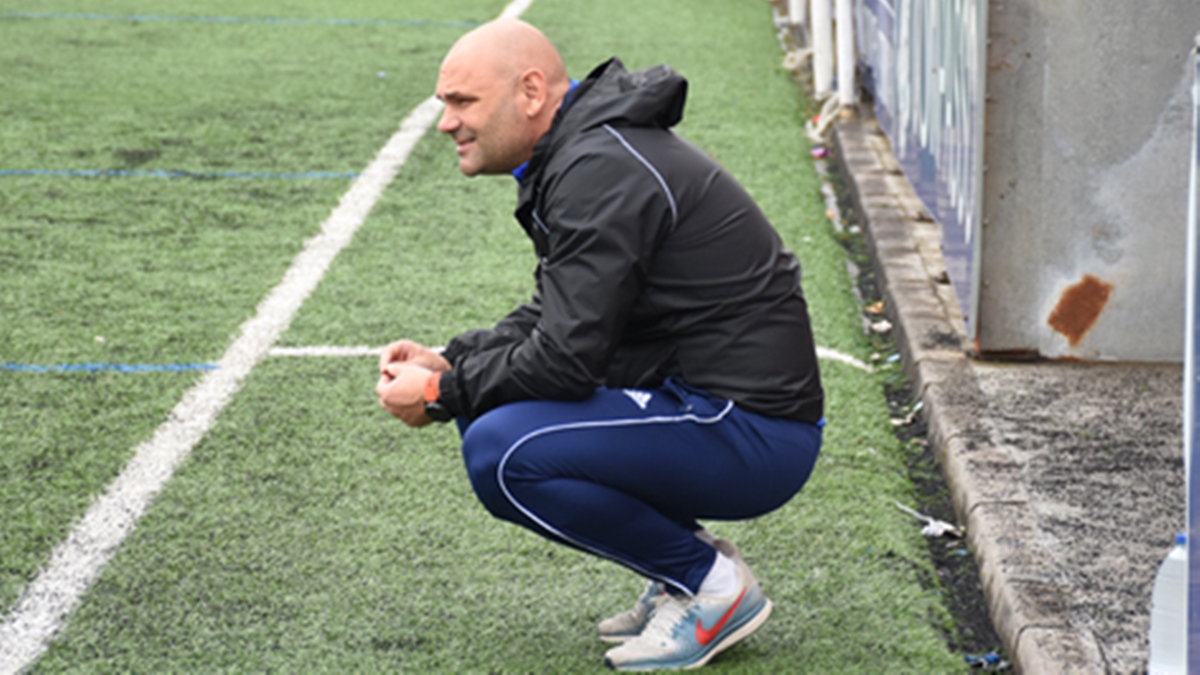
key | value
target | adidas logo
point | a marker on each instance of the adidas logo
(641, 398)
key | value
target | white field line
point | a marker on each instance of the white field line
(325, 351)
(515, 9)
(76, 562)
(329, 350)
(835, 355)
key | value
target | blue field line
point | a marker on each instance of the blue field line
(236, 19)
(107, 367)
(127, 173)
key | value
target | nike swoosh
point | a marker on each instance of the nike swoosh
(706, 635)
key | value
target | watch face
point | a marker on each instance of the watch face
(437, 412)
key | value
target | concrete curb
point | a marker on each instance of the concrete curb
(1029, 602)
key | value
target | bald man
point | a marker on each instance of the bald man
(662, 373)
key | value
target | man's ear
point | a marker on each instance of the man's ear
(532, 92)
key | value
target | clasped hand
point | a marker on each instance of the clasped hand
(404, 367)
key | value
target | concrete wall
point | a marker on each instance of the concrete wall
(1087, 150)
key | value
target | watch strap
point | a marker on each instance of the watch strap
(436, 411)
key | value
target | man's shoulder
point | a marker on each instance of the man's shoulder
(610, 146)
(588, 154)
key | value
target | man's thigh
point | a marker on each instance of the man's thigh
(685, 453)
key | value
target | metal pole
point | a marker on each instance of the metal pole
(846, 54)
(1191, 385)
(797, 11)
(822, 37)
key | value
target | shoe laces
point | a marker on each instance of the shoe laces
(670, 612)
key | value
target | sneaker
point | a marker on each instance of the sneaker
(629, 624)
(687, 632)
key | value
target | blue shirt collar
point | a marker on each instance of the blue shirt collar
(519, 172)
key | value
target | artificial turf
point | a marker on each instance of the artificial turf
(135, 270)
(310, 531)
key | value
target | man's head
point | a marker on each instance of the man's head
(502, 84)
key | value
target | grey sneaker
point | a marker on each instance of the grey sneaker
(629, 624)
(687, 632)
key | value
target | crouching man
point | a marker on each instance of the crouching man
(662, 373)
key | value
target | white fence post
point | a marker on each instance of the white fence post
(822, 38)
(847, 88)
(798, 12)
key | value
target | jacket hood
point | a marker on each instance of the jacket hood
(612, 95)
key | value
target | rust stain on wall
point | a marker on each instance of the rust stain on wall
(1079, 307)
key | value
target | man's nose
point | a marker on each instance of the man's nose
(448, 123)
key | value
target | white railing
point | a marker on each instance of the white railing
(813, 24)
(847, 87)
(822, 45)
(815, 20)
(923, 61)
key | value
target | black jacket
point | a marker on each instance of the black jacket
(653, 262)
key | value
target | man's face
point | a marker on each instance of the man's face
(482, 117)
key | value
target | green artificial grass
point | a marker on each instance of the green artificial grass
(147, 270)
(310, 531)
(64, 436)
(440, 254)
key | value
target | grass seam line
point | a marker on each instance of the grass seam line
(76, 562)
(167, 173)
(91, 367)
(142, 18)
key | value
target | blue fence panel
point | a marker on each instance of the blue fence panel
(875, 29)
(926, 65)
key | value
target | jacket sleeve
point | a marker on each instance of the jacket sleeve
(513, 328)
(603, 212)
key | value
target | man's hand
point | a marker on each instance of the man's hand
(407, 351)
(401, 392)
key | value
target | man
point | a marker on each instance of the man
(663, 371)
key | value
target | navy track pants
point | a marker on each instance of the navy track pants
(626, 473)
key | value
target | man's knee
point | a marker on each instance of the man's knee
(484, 445)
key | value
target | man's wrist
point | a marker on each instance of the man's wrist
(435, 410)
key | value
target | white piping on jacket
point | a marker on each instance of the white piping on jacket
(645, 162)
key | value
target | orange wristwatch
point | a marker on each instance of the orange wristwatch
(436, 411)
